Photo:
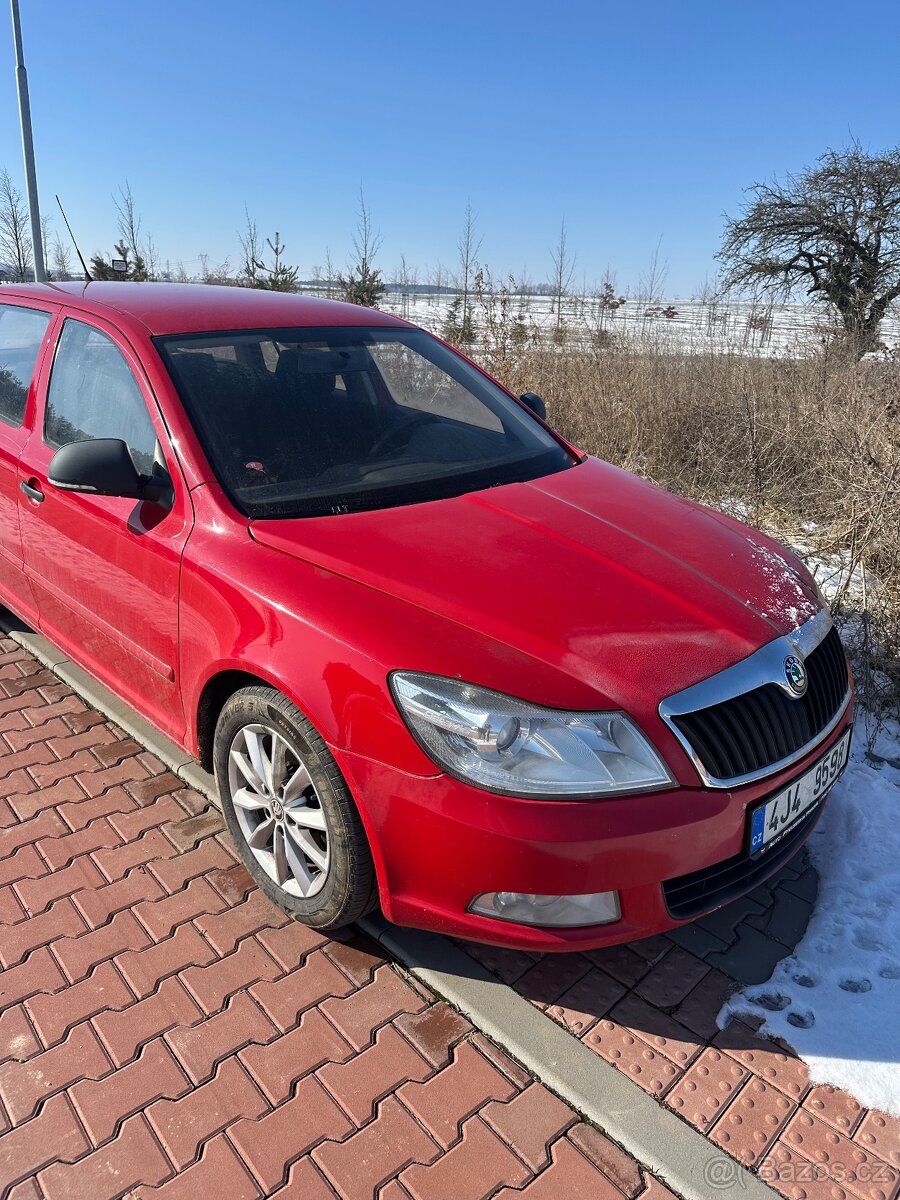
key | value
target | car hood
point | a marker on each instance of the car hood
(632, 591)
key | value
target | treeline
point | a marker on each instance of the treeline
(263, 261)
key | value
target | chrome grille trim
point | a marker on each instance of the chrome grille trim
(763, 668)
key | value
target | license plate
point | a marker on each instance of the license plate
(772, 820)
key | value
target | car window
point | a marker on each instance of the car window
(93, 394)
(317, 421)
(414, 382)
(21, 333)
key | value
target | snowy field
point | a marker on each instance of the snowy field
(693, 326)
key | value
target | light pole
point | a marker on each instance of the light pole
(37, 243)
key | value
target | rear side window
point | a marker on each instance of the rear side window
(93, 394)
(21, 333)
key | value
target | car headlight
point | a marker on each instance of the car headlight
(509, 746)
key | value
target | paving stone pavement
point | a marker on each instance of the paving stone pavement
(165, 1032)
(649, 1009)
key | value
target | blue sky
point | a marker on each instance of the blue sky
(637, 122)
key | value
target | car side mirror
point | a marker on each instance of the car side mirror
(533, 401)
(104, 467)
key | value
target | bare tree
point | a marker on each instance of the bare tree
(151, 258)
(407, 278)
(832, 231)
(468, 248)
(61, 259)
(522, 283)
(15, 241)
(363, 283)
(329, 274)
(437, 277)
(563, 274)
(251, 250)
(219, 273)
(651, 284)
(143, 257)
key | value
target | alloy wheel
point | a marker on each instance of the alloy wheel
(278, 810)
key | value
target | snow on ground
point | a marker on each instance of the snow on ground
(697, 326)
(836, 999)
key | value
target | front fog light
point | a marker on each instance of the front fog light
(594, 908)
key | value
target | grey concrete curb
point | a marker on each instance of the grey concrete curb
(682, 1158)
(662, 1143)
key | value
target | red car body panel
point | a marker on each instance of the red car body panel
(580, 612)
(584, 590)
(104, 572)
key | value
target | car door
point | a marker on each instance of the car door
(24, 334)
(105, 570)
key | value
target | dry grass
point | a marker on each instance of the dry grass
(811, 447)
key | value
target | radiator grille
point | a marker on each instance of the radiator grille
(762, 727)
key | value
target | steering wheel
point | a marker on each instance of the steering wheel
(401, 433)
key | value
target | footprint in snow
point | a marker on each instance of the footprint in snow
(773, 1001)
(866, 941)
(805, 979)
(804, 1019)
(890, 970)
(849, 984)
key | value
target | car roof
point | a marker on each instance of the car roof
(166, 308)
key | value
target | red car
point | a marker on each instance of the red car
(437, 657)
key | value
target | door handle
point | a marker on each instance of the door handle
(32, 493)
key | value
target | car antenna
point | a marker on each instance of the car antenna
(88, 278)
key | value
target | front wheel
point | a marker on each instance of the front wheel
(290, 812)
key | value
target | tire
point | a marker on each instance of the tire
(290, 812)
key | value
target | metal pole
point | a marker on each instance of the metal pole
(37, 242)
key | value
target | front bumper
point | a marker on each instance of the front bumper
(438, 842)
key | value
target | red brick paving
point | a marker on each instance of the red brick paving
(649, 1009)
(166, 1033)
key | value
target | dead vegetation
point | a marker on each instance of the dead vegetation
(806, 446)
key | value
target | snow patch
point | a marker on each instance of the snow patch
(836, 999)
(787, 600)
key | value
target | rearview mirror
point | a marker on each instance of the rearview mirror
(104, 467)
(533, 401)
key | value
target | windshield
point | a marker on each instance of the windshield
(308, 422)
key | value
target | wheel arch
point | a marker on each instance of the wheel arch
(217, 691)
(215, 694)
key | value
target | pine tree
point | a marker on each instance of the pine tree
(363, 283)
(458, 328)
(280, 277)
(135, 268)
